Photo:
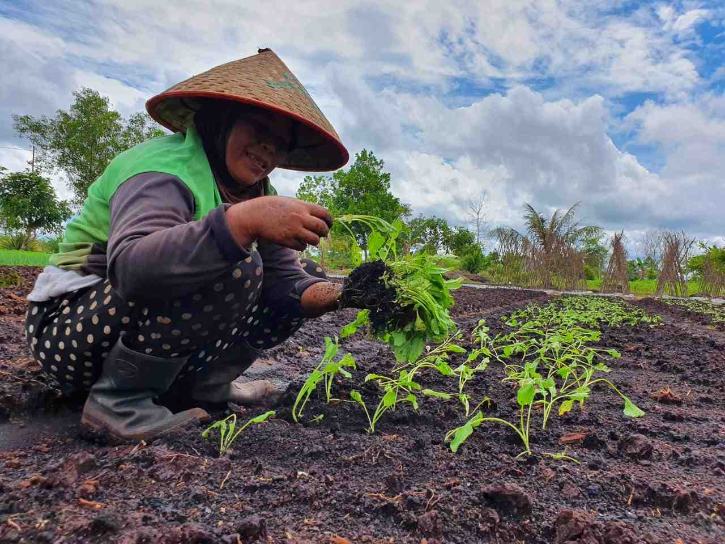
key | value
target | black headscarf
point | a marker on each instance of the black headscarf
(214, 122)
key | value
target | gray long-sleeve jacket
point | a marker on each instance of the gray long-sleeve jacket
(156, 248)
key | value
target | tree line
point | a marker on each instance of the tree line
(554, 251)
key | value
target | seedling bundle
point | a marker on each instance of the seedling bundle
(407, 298)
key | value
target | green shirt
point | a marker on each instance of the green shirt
(179, 155)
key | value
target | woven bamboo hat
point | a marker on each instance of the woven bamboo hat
(264, 81)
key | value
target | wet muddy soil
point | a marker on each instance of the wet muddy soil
(658, 479)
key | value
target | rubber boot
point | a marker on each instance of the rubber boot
(121, 404)
(215, 384)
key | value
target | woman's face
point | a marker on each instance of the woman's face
(257, 143)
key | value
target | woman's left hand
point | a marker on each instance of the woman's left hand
(320, 298)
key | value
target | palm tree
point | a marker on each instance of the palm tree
(550, 245)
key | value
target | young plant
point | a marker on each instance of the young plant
(549, 356)
(325, 372)
(404, 388)
(525, 395)
(421, 293)
(228, 431)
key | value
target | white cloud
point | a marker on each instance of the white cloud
(124, 98)
(384, 72)
(692, 136)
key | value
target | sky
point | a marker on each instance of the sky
(616, 104)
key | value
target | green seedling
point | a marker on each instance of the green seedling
(405, 387)
(325, 372)
(562, 456)
(228, 432)
(418, 282)
(715, 313)
(357, 397)
(525, 396)
(549, 355)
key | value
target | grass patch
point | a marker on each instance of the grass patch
(16, 257)
(644, 288)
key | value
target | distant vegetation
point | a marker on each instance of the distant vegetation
(553, 252)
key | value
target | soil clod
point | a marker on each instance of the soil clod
(367, 287)
(508, 498)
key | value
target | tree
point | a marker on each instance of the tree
(428, 234)
(28, 204)
(461, 241)
(590, 244)
(82, 140)
(362, 189)
(653, 247)
(317, 189)
(549, 253)
(475, 213)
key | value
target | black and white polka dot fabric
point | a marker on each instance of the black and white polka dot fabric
(71, 335)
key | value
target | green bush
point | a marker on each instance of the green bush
(451, 262)
(19, 241)
(473, 260)
(591, 272)
(51, 245)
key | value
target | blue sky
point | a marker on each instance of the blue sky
(616, 104)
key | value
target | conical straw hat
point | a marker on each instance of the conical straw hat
(261, 80)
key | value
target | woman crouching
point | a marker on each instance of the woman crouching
(182, 264)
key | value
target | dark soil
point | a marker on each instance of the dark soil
(678, 312)
(657, 479)
(22, 387)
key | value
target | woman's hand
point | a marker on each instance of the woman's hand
(282, 220)
(320, 298)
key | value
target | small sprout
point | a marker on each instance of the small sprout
(326, 371)
(228, 432)
(357, 397)
(562, 456)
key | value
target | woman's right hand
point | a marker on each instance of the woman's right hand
(282, 220)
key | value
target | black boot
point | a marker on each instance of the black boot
(216, 383)
(121, 401)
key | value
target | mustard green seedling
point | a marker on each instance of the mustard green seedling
(552, 357)
(405, 387)
(326, 372)
(228, 431)
(418, 281)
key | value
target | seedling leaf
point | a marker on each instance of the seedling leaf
(566, 406)
(525, 395)
(436, 394)
(461, 434)
(631, 409)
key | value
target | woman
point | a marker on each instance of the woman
(182, 264)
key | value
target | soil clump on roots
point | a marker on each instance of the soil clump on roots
(367, 287)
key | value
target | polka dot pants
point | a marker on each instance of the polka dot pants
(71, 335)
